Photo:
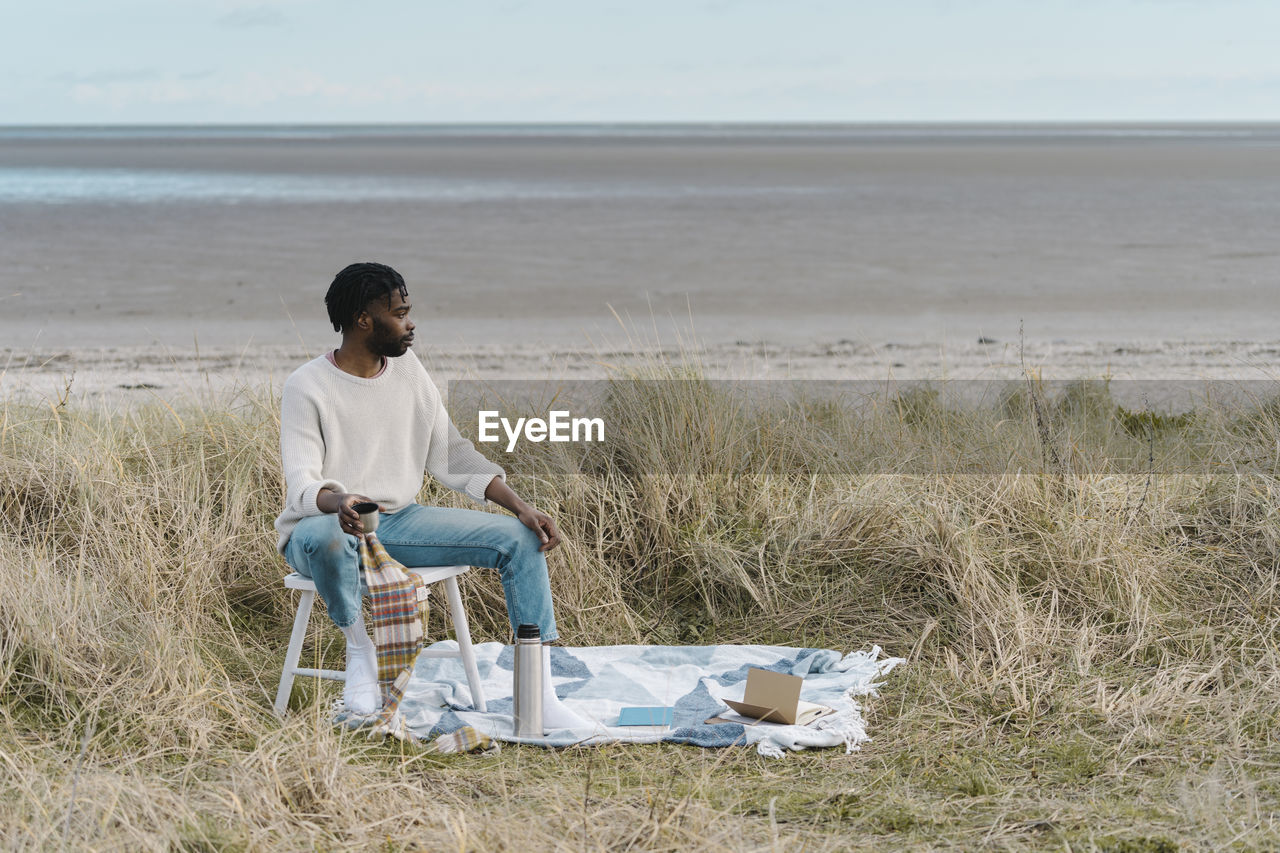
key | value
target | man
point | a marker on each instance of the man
(365, 420)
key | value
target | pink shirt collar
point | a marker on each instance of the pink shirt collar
(334, 362)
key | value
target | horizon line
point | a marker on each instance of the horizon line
(664, 123)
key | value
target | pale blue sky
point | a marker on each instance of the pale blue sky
(223, 61)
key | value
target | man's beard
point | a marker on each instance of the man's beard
(385, 342)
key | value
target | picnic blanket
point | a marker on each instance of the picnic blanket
(598, 681)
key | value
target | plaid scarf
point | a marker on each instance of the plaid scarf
(398, 604)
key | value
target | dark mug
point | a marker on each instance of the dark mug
(368, 515)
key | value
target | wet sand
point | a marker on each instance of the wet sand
(515, 241)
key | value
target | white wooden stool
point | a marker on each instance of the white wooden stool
(430, 574)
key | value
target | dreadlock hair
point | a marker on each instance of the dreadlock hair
(358, 285)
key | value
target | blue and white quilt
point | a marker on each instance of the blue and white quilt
(597, 682)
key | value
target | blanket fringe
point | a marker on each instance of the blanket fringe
(849, 725)
(464, 740)
(769, 749)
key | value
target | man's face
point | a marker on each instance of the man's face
(392, 333)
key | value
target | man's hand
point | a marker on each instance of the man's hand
(343, 504)
(541, 524)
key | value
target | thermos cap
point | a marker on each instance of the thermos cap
(528, 632)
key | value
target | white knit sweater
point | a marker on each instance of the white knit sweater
(373, 436)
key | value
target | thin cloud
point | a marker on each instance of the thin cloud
(253, 17)
(109, 75)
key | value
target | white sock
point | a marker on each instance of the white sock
(555, 715)
(361, 694)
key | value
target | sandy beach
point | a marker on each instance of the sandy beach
(931, 238)
(125, 375)
(156, 262)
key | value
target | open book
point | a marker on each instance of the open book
(772, 697)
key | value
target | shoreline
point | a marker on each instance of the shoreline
(131, 374)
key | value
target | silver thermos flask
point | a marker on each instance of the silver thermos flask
(528, 681)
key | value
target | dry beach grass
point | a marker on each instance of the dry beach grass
(1092, 653)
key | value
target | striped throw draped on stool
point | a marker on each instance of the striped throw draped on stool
(398, 605)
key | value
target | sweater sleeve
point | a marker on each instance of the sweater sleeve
(302, 452)
(454, 460)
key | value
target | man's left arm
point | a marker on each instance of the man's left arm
(539, 522)
(454, 461)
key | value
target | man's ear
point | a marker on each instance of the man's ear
(364, 321)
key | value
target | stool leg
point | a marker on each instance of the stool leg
(294, 653)
(463, 631)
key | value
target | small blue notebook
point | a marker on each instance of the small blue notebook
(655, 716)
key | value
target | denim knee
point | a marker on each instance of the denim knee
(331, 550)
(320, 550)
(524, 550)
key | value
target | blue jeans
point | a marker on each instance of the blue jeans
(428, 536)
